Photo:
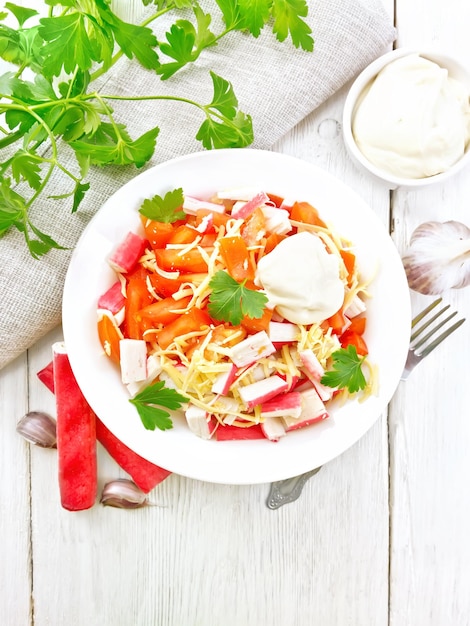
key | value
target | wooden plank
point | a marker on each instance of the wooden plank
(15, 519)
(429, 425)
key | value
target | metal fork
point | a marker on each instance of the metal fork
(422, 345)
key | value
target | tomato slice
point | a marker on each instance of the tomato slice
(109, 336)
(191, 321)
(357, 325)
(234, 252)
(306, 213)
(337, 322)
(157, 233)
(173, 260)
(137, 296)
(164, 311)
(271, 242)
(218, 219)
(183, 234)
(349, 337)
(254, 227)
(256, 324)
(164, 286)
(276, 200)
(349, 260)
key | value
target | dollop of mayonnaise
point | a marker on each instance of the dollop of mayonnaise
(414, 120)
(301, 279)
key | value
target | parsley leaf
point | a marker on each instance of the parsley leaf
(157, 395)
(288, 19)
(164, 209)
(230, 13)
(255, 14)
(346, 370)
(133, 39)
(69, 44)
(25, 166)
(185, 42)
(224, 99)
(225, 127)
(22, 14)
(230, 301)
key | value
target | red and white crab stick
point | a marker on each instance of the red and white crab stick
(76, 437)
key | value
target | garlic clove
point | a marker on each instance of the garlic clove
(38, 428)
(438, 257)
(123, 494)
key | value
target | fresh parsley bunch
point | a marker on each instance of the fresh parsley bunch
(49, 103)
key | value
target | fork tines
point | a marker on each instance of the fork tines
(418, 342)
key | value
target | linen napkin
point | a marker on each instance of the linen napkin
(275, 83)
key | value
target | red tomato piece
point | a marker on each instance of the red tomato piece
(358, 325)
(349, 338)
(254, 227)
(306, 213)
(191, 321)
(172, 260)
(349, 260)
(137, 297)
(218, 219)
(109, 336)
(255, 324)
(164, 286)
(183, 234)
(157, 233)
(337, 322)
(235, 255)
(276, 200)
(164, 311)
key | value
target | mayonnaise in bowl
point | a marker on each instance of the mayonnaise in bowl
(414, 120)
(406, 118)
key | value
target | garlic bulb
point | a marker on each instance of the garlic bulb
(438, 257)
(38, 428)
(123, 494)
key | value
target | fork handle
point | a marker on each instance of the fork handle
(286, 491)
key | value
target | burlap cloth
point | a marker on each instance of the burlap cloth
(275, 83)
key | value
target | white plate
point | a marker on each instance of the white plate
(237, 462)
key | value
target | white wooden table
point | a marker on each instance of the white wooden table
(380, 535)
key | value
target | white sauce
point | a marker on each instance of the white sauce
(301, 279)
(414, 121)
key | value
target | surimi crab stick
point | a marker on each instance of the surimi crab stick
(76, 437)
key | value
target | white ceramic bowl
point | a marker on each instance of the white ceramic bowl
(178, 449)
(456, 70)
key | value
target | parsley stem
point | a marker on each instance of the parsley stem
(156, 15)
(109, 114)
(52, 161)
(72, 81)
(103, 69)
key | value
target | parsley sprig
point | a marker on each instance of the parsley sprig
(49, 104)
(230, 300)
(166, 209)
(346, 372)
(149, 401)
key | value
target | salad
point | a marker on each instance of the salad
(246, 312)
